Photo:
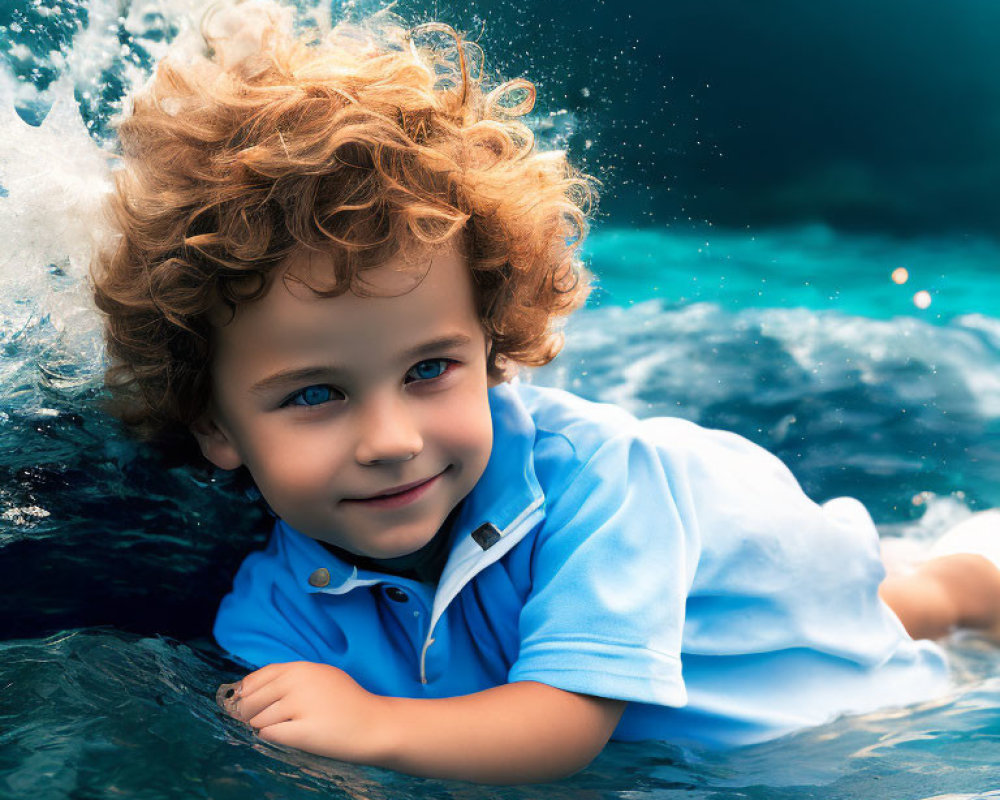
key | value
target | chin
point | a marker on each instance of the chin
(399, 550)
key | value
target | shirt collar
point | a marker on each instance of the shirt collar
(508, 485)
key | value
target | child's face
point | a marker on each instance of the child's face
(363, 420)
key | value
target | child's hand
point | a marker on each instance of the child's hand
(522, 732)
(313, 707)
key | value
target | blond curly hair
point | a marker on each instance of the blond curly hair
(356, 143)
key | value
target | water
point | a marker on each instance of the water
(112, 563)
(812, 266)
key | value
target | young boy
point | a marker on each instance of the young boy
(333, 257)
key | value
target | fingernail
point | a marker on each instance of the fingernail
(225, 693)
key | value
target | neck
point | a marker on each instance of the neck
(424, 565)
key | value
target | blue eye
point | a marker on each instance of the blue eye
(312, 396)
(428, 370)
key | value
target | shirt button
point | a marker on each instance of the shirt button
(320, 578)
(396, 594)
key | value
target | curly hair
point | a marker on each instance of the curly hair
(356, 143)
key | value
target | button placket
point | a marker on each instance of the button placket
(409, 605)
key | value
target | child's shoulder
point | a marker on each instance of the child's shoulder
(557, 412)
(573, 433)
(589, 425)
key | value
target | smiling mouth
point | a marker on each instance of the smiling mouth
(397, 496)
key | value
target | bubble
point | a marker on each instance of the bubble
(900, 275)
(922, 299)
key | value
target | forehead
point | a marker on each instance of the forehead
(408, 297)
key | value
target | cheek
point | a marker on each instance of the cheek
(293, 463)
(467, 427)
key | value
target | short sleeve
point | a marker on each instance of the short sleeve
(611, 569)
(674, 542)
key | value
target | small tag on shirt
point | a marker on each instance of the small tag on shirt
(486, 535)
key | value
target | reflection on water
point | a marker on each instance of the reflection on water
(112, 564)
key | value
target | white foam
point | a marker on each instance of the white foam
(650, 354)
(839, 343)
(55, 177)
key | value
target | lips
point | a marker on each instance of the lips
(397, 496)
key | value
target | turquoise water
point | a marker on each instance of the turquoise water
(809, 266)
(112, 564)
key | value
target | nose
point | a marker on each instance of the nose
(387, 432)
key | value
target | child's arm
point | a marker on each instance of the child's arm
(522, 732)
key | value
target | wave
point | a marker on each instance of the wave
(880, 409)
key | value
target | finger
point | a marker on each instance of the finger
(261, 677)
(279, 711)
(286, 733)
(228, 695)
(248, 704)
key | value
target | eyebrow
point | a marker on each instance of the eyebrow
(436, 345)
(303, 374)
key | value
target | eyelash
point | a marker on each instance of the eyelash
(332, 391)
(447, 362)
(290, 400)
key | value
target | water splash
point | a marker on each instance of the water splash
(55, 177)
(55, 171)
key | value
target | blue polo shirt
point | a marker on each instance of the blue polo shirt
(654, 561)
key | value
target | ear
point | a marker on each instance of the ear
(216, 445)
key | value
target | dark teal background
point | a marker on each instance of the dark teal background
(873, 116)
(867, 116)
